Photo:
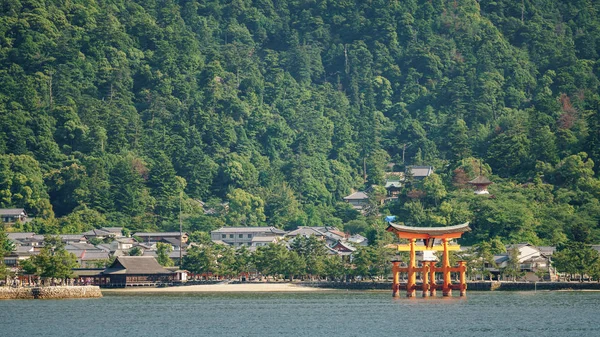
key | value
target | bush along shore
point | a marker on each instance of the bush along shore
(7, 293)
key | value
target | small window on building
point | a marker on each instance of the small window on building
(241, 236)
(223, 236)
(231, 236)
(249, 236)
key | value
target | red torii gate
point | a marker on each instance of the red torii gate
(428, 269)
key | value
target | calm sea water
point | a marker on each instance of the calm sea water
(481, 314)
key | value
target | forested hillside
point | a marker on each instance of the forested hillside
(122, 112)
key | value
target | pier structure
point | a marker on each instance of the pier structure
(435, 239)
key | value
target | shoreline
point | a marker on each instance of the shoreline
(222, 288)
(305, 287)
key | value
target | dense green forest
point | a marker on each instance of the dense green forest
(124, 112)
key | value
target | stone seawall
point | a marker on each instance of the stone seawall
(15, 293)
(7, 293)
(471, 286)
(478, 286)
(528, 286)
(349, 285)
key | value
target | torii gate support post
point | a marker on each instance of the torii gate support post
(462, 266)
(425, 277)
(446, 289)
(432, 285)
(412, 272)
(396, 274)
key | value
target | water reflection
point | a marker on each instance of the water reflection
(486, 314)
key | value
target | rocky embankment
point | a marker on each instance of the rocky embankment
(7, 293)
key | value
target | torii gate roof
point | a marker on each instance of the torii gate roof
(409, 232)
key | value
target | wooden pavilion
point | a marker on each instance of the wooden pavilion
(135, 271)
(435, 239)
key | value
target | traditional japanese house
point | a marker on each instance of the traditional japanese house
(358, 200)
(12, 215)
(135, 271)
(158, 237)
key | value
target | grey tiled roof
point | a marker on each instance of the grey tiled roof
(136, 265)
(420, 171)
(263, 239)
(12, 211)
(357, 196)
(94, 255)
(70, 237)
(114, 230)
(97, 232)
(173, 242)
(306, 231)
(233, 230)
(20, 236)
(163, 234)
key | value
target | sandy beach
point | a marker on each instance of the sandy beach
(210, 288)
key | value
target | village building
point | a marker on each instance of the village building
(117, 232)
(358, 200)
(419, 172)
(330, 235)
(242, 236)
(12, 215)
(532, 262)
(173, 255)
(175, 243)
(343, 248)
(393, 188)
(104, 233)
(135, 271)
(158, 237)
(19, 254)
(306, 231)
(92, 258)
(26, 239)
(70, 238)
(259, 241)
(99, 234)
(21, 238)
(357, 240)
(393, 185)
(181, 275)
(88, 255)
(118, 247)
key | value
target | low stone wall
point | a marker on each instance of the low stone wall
(474, 286)
(350, 285)
(529, 286)
(50, 292)
(471, 286)
(15, 293)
